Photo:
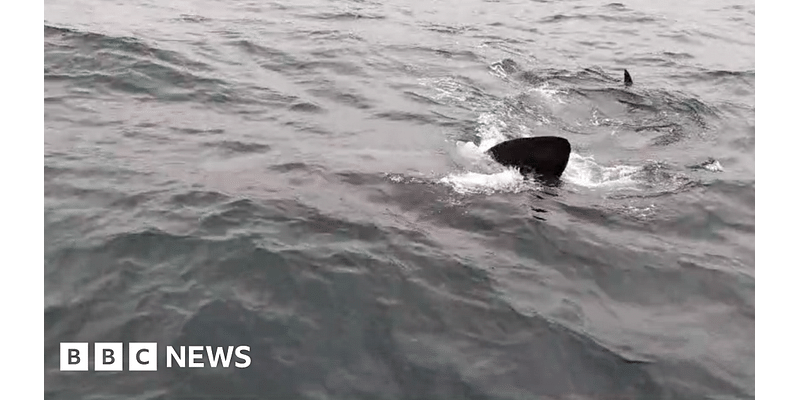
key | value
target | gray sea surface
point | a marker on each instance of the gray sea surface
(308, 178)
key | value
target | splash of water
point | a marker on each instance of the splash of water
(585, 171)
(482, 175)
(509, 180)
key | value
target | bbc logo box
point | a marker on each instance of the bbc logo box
(142, 356)
(109, 356)
(74, 356)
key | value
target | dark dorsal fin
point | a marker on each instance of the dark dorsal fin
(546, 156)
(628, 79)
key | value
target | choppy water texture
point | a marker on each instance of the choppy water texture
(308, 178)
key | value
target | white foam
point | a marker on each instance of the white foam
(548, 93)
(490, 130)
(469, 151)
(498, 70)
(509, 180)
(714, 166)
(585, 171)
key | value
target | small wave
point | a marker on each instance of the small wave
(192, 18)
(106, 64)
(198, 198)
(123, 47)
(344, 16)
(632, 19)
(709, 165)
(456, 91)
(341, 96)
(452, 30)
(616, 6)
(235, 146)
(677, 55)
(504, 67)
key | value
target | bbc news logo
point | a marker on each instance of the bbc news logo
(144, 356)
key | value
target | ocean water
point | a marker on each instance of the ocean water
(308, 178)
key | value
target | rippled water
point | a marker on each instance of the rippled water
(308, 178)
